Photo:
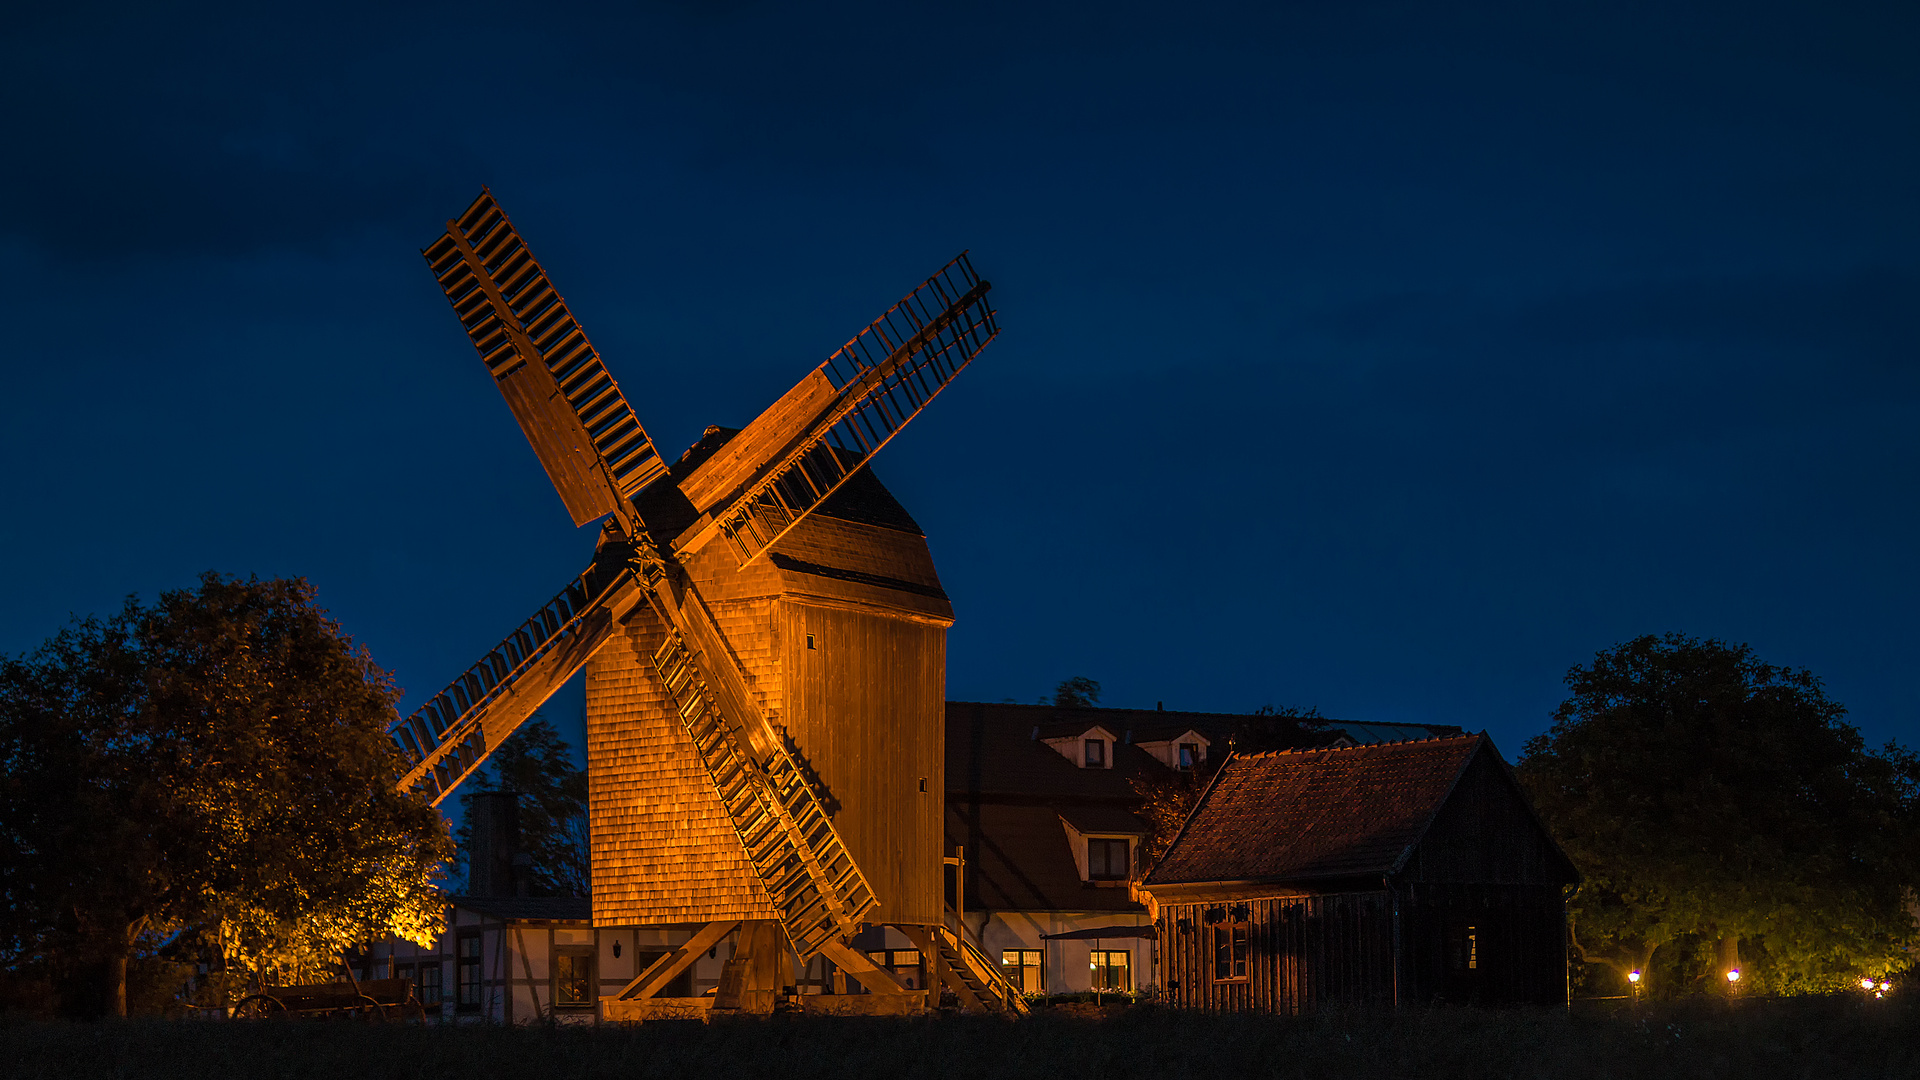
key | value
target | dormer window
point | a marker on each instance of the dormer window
(1107, 860)
(1086, 747)
(1184, 752)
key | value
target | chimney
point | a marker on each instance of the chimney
(494, 862)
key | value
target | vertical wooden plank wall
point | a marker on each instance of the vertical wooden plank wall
(1303, 952)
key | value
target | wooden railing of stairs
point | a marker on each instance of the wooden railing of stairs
(977, 981)
(813, 881)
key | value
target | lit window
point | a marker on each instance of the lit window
(572, 977)
(1025, 970)
(1111, 970)
(1107, 860)
(1096, 751)
(1229, 951)
(1189, 754)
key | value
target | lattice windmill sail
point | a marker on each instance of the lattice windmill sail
(739, 779)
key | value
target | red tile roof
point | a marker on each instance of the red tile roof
(1314, 814)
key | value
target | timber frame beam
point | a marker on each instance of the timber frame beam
(876, 979)
(661, 971)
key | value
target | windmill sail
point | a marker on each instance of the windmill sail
(586, 435)
(452, 734)
(816, 436)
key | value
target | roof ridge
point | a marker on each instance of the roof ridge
(1358, 746)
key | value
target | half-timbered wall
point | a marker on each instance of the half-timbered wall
(1303, 952)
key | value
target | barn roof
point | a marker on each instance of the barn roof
(1298, 815)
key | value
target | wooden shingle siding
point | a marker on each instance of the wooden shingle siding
(1304, 952)
(663, 849)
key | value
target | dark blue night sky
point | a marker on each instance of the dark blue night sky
(1382, 358)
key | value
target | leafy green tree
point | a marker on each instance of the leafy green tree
(217, 766)
(536, 764)
(1716, 804)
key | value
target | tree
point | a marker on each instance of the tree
(214, 765)
(1078, 692)
(1716, 804)
(536, 764)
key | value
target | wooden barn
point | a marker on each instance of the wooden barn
(1393, 874)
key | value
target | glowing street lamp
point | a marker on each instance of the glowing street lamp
(1866, 984)
(1634, 977)
(1733, 976)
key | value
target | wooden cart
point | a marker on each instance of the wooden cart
(374, 1000)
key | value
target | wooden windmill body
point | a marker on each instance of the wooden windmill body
(765, 639)
(842, 634)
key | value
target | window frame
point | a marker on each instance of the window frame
(1016, 972)
(1096, 967)
(1187, 754)
(439, 983)
(1236, 936)
(1106, 843)
(576, 953)
(461, 964)
(1093, 753)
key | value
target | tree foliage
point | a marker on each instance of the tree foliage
(1078, 692)
(536, 764)
(1709, 798)
(214, 766)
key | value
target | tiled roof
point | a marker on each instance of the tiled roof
(1313, 814)
(527, 907)
(1104, 818)
(1018, 860)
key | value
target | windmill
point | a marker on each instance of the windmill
(765, 638)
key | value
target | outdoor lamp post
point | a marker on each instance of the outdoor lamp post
(1633, 987)
(1733, 983)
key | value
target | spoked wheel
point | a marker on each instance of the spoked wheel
(369, 1010)
(259, 1007)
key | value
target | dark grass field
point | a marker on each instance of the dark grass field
(1760, 1040)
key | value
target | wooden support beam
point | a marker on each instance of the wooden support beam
(923, 940)
(859, 965)
(526, 962)
(655, 978)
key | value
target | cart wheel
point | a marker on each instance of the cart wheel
(413, 1010)
(259, 1007)
(370, 1010)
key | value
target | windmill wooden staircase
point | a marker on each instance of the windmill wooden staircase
(976, 980)
(817, 887)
